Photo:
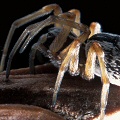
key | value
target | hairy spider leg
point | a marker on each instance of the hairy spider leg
(95, 28)
(61, 38)
(19, 22)
(37, 46)
(31, 31)
(71, 49)
(73, 67)
(63, 68)
(96, 50)
(74, 62)
(77, 20)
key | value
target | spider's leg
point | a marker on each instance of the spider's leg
(16, 24)
(73, 67)
(96, 50)
(95, 28)
(50, 20)
(37, 46)
(77, 20)
(61, 38)
(63, 68)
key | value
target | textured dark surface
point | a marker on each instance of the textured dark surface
(78, 99)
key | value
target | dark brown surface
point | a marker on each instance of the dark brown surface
(25, 112)
(77, 98)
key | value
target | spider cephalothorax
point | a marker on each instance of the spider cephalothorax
(72, 49)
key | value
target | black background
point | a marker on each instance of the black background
(105, 12)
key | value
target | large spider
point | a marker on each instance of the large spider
(86, 54)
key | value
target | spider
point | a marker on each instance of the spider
(76, 48)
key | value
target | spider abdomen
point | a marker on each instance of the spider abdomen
(110, 44)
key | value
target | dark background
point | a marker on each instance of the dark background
(105, 12)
